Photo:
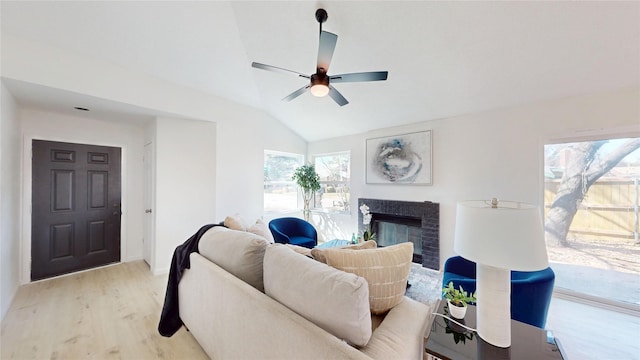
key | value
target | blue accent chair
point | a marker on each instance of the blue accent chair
(530, 290)
(295, 231)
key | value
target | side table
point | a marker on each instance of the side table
(449, 341)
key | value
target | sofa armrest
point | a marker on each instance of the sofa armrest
(401, 334)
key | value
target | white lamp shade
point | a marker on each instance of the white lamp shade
(510, 236)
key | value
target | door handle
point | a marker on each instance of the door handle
(147, 211)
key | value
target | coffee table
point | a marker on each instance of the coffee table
(449, 341)
(333, 244)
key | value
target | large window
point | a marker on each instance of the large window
(591, 206)
(335, 175)
(280, 192)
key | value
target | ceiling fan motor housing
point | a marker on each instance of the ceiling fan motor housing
(321, 15)
(320, 78)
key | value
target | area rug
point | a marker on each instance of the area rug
(426, 285)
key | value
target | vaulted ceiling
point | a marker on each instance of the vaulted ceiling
(444, 58)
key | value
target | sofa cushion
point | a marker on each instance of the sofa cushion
(386, 270)
(260, 228)
(318, 253)
(235, 222)
(238, 252)
(336, 301)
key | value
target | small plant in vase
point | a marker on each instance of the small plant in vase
(457, 300)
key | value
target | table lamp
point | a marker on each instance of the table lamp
(499, 236)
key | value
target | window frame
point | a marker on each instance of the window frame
(577, 136)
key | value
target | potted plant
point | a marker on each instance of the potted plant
(367, 234)
(457, 300)
(309, 182)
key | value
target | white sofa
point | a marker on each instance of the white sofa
(222, 304)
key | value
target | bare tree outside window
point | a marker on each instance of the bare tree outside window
(584, 163)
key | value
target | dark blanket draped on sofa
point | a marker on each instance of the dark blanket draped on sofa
(170, 321)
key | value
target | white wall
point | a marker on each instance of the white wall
(201, 174)
(497, 153)
(243, 134)
(240, 155)
(206, 171)
(185, 183)
(42, 64)
(9, 200)
(45, 125)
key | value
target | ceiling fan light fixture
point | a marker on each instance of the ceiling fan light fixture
(319, 84)
(319, 90)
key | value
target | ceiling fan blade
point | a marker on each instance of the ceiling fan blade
(297, 93)
(325, 49)
(337, 97)
(277, 69)
(356, 77)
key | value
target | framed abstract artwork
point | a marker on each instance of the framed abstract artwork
(400, 159)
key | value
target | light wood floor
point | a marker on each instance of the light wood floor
(113, 312)
(588, 332)
(107, 313)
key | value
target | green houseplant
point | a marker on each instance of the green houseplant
(457, 300)
(309, 182)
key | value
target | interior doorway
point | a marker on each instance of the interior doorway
(76, 207)
(591, 219)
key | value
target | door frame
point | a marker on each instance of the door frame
(148, 233)
(25, 243)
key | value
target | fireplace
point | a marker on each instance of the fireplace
(401, 221)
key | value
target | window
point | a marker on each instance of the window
(591, 218)
(280, 192)
(335, 175)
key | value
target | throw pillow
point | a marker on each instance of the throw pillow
(260, 228)
(238, 252)
(235, 222)
(386, 270)
(334, 300)
(319, 254)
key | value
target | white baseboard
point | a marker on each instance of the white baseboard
(617, 306)
(160, 271)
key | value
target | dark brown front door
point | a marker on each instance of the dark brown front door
(75, 219)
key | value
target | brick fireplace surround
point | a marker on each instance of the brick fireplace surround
(426, 213)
